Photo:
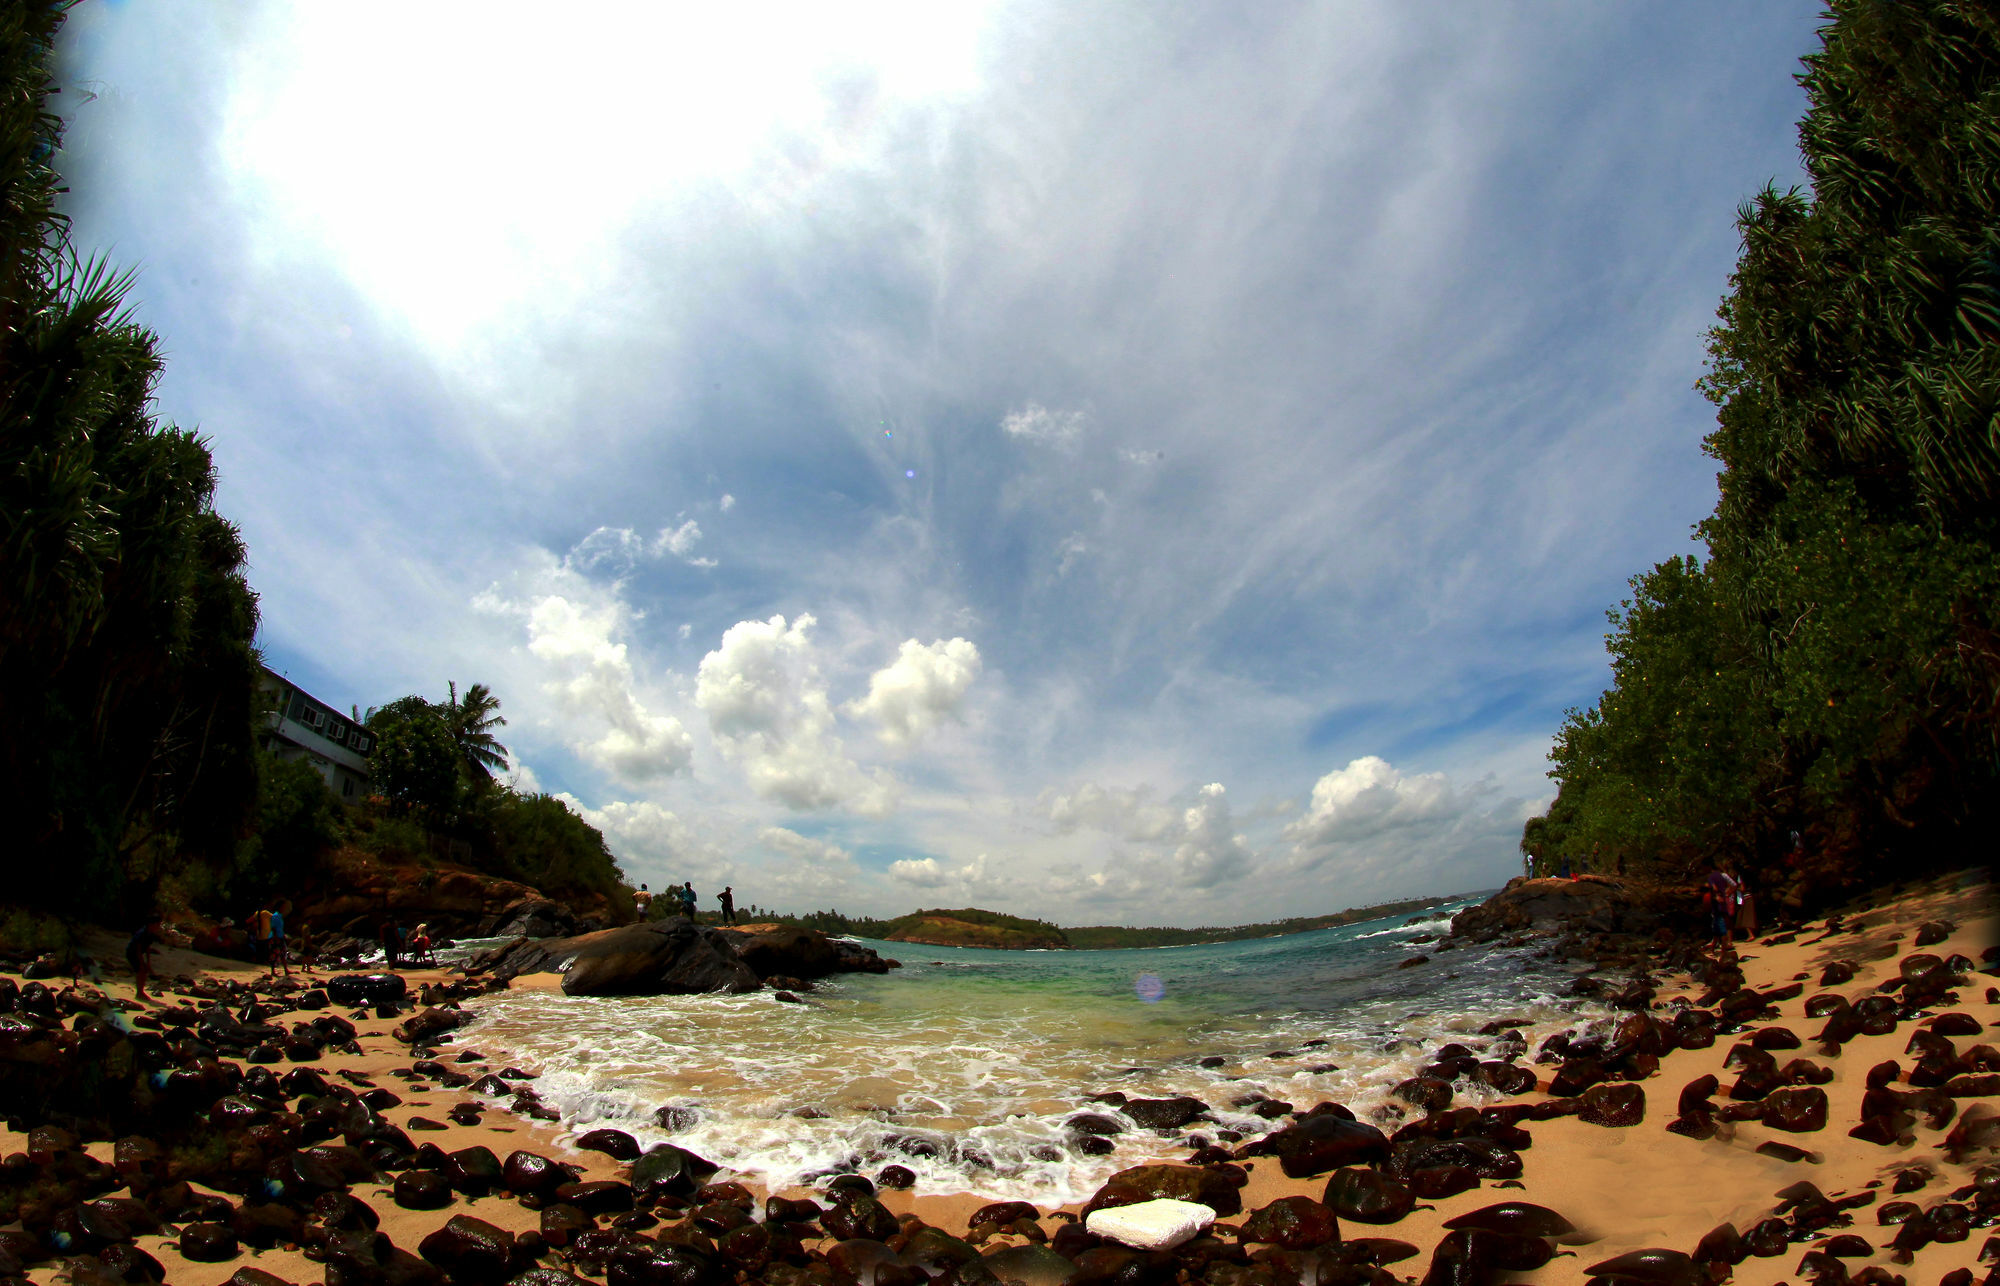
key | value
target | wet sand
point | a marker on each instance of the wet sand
(1631, 1187)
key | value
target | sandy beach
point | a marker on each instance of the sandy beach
(1628, 1187)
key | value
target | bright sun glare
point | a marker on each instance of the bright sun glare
(463, 163)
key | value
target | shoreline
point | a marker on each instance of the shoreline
(1635, 1186)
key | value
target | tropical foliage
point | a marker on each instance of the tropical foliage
(1832, 671)
(126, 665)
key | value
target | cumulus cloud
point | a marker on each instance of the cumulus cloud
(807, 868)
(925, 686)
(1132, 814)
(579, 639)
(768, 710)
(652, 841)
(924, 872)
(1037, 423)
(727, 502)
(968, 877)
(1368, 797)
(1210, 850)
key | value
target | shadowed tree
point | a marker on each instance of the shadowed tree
(126, 664)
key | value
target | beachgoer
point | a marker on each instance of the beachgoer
(642, 902)
(728, 901)
(1718, 895)
(276, 948)
(260, 934)
(392, 939)
(139, 953)
(1746, 908)
(420, 946)
(305, 952)
(688, 899)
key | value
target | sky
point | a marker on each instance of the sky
(1108, 462)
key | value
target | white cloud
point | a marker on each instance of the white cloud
(654, 844)
(1368, 798)
(1210, 851)
(1036, 423)
(727, 502)
(618, 550)
(1132, 814)
(768, 710)
(579, 639)
(969, 879)
(808, 870)
(924, 872)
(923, 687)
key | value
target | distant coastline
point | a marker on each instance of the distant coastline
(993, 930)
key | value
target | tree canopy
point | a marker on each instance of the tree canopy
(126, 624)
(1832, 671)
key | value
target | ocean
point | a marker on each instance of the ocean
(963, 1064)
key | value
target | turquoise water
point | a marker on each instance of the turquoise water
(963, 1064)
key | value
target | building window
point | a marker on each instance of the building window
(347, 787)
(336, 732)
(361, 743)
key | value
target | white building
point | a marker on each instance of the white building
(302, 727)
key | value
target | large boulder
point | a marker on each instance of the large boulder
(1592, 903)
(788, 950)
(650, 958)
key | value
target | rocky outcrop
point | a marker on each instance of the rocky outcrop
(787, 951)
(676, 958)
(360, 890)
(1590, 904)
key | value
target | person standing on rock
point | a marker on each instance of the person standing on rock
(688, 900)
(139, 953)
(727, 900)
(276, 948)
(642, 902)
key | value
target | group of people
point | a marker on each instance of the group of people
(409, 947)
(682, 898)
(264, 931)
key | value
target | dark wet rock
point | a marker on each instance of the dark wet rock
(1803, 1071)
(650, 958)
(1093, 1123)
(616, 1144)
(1956, 1023)
(1428, 1093)
(1165, 1113)
(1485, 1158)
(597, 1198)
(1463, 1258)
(1613, 1105)
(863, 1217)
(1294, 1223)
(208, 1243)
(546, 1277)
(248, 1276)
(1317, 1144)
(1768, 1038)
(422, 1190)
(268, 1225)
(1576, 1075)
(1367, 1196)
(1435, 1183)
(1796, 1110)
(351, 991)
(1932, 932)
(1030, 1266)
(471, 1251)
(1654, 1267)
(671, 1171)
(474, 1171)
(1213, 1187)
(1786, 1152)
(1722, 1245)
(1517, 1218)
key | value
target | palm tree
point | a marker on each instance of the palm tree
(472, 720)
